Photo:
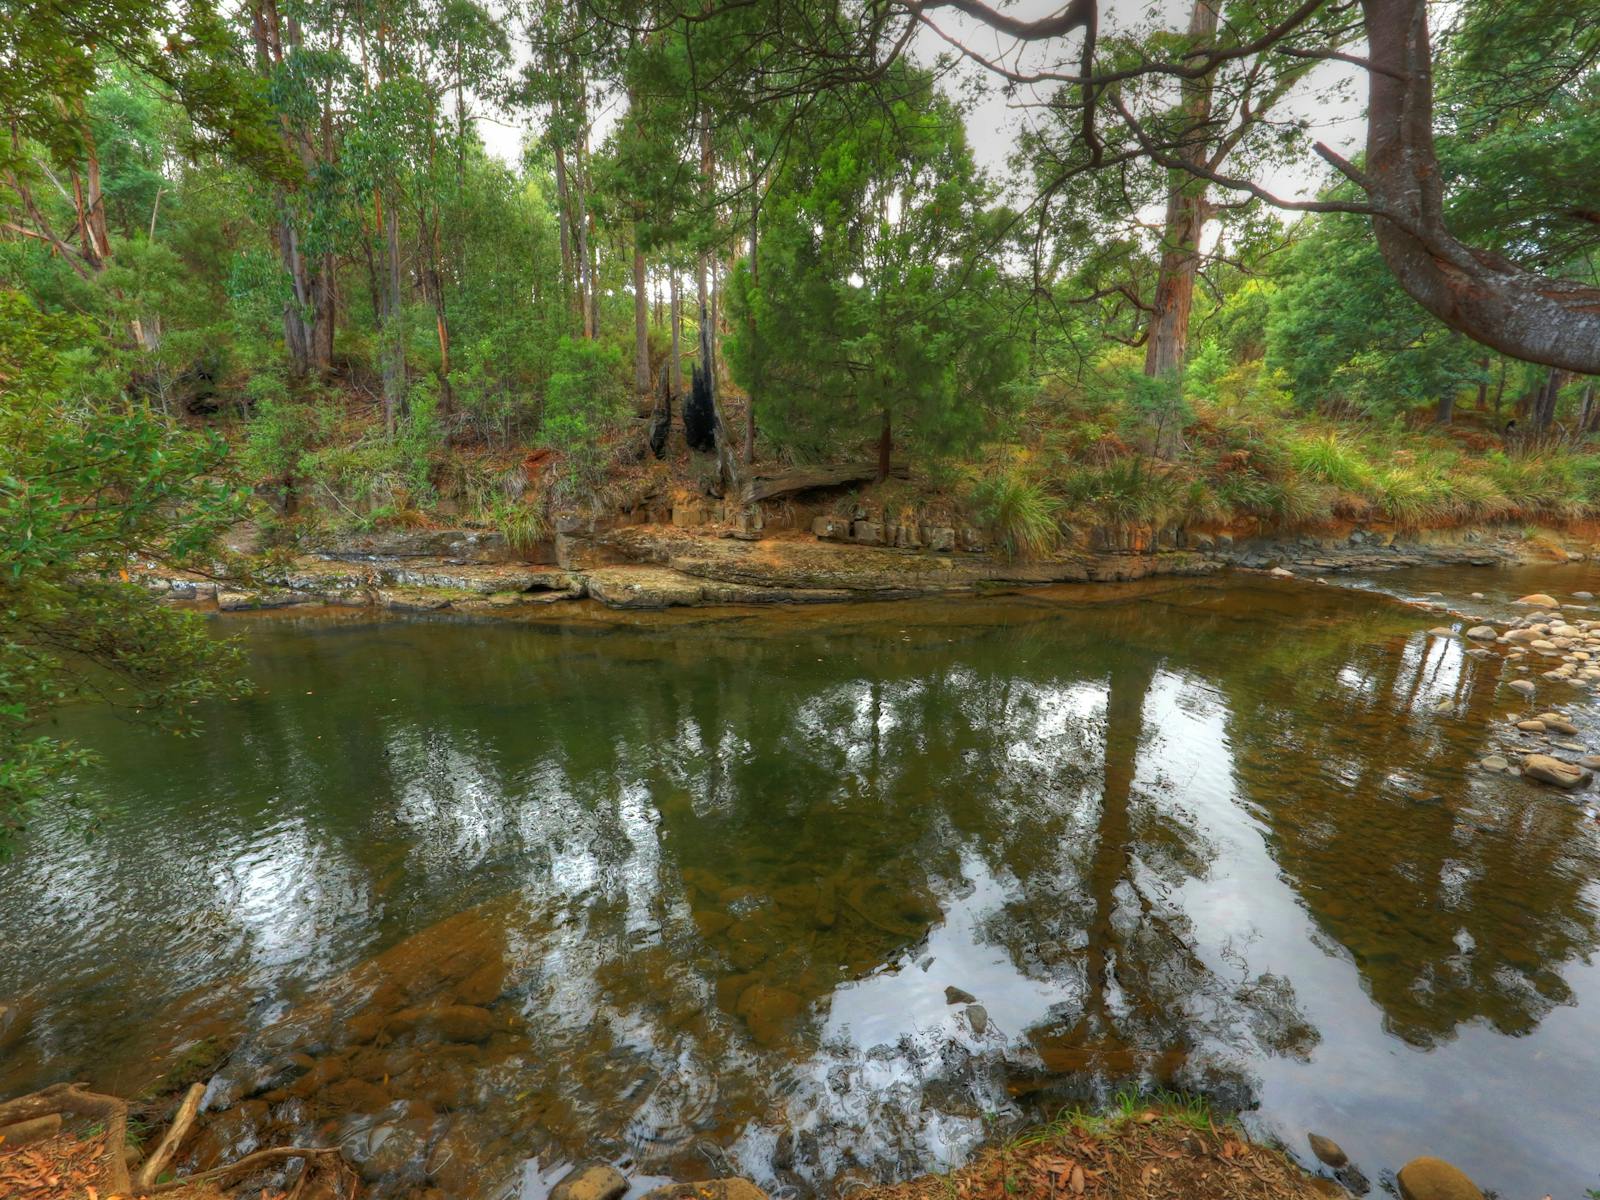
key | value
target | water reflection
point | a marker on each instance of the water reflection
(693, 890)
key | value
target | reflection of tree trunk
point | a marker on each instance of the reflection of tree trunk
(1125, 695)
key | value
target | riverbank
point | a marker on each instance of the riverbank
(657, 565)
(1167, 1148)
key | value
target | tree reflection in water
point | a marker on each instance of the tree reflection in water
(709, 878)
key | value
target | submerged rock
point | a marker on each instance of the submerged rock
(978, 1018)
(955, 995)
(590, 1181)
(1435, 1179)
(708, 1189)
(1538, 600)
(1482, 633)
(1526, 686)
(1328, 1150)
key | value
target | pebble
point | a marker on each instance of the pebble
(1526, 686)
(978, 1018)
(1537, 600)
(1482, 633)
(1531, 726)
(1495, 762)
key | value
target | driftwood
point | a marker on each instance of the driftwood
(72, 1100)
(803, 479)
(168, 1146)
(242, 1166)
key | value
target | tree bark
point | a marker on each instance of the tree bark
(564, 221)
(641, 325)
(1489, 298)
(676, 369)
(1187, 211)
(885, 448)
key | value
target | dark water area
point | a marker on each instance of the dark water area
(476, 899)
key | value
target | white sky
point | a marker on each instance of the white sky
(993, 125)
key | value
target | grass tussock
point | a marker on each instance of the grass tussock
(1163, 1148)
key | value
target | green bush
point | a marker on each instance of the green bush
(1021, 516)
(583, 403)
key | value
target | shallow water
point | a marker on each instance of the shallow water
(689, 889)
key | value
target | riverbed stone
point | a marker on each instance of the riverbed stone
(1482, 633)
(1434, 1179)
(1538, 600)
(1553, 771)
(1327, 1150)
(1526, 686)
(978, 1018)
(1495, 762)
(769, 1012)
(708, 1189)
(1531, 726)
(593, 1180)
(955, 995)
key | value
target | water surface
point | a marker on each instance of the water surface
(705, 878)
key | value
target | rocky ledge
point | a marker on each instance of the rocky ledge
(660, 565)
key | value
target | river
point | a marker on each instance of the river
(687, 890)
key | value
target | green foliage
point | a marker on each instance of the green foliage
(89, 485)
(586, 398)
(876, 292)
(1019, 513)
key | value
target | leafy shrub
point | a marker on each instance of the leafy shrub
(583, 402)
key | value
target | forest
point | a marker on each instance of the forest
(259, 261)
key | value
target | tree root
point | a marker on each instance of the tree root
(71, 1099)
(246, 1164)
(150, 1170)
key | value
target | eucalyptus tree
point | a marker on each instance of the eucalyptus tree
(1529, 311)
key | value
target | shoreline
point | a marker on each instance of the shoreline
(656, 567)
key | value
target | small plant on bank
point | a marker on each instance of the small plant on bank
(1022, 517)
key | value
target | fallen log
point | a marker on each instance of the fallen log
(151, 1170)
(804, 479)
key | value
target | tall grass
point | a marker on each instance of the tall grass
(1022, 517)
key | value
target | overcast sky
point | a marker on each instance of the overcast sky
(994, 123)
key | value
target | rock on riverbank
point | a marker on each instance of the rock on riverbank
(665, 565)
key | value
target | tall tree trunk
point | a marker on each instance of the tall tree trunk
(394, 348)
(1447, 407)
(885, 447)
(564, 221)
(1483, 385)
(1187, 212)
(676, 369)
(708, 310)
(755, 280)
(641, 324)
(1545, 409)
